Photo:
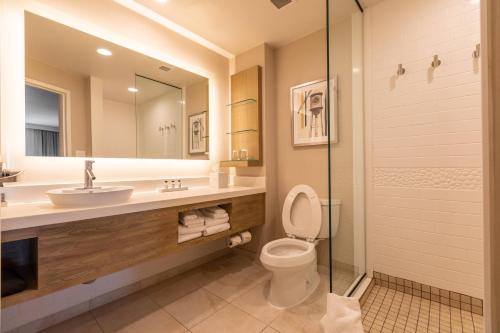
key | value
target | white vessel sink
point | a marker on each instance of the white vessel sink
(97, 196)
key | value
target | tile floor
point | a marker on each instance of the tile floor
(390, 311)
(228, 295)
(225, 295)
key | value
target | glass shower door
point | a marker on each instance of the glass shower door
(346, 144)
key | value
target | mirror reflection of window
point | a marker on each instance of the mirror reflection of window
(43, 109)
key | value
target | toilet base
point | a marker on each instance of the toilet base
(290, 287)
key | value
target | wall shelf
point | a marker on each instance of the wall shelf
(240, 163)
(246, 117)
(243, 131)
(242, 102)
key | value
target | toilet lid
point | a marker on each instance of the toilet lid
(301, 215)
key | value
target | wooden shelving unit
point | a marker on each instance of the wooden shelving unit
(246, 117)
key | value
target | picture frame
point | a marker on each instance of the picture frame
(308, 104)
(197, 131)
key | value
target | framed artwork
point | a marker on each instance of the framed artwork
(197, 133)
(309, 113)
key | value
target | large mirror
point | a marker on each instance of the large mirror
(87, 97)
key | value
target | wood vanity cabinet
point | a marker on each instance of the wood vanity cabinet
(76, 252)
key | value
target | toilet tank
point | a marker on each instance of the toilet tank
(323, 233)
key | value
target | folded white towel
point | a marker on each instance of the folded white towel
(209, 222)
(215, 210)
(189, 215)
(194, 222)
(208, 213)
(183, 230)
(216, 229)
(185, 238)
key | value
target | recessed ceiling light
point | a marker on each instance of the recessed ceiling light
(162, 1)
(104, 52)
(133, 90)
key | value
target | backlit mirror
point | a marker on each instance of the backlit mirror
(87, 97)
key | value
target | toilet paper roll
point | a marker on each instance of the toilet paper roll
(246, 237)
(234, 241)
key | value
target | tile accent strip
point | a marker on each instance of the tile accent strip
(446, 297)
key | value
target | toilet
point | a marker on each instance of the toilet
(292, 260)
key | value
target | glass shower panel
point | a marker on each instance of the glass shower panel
(346, 144)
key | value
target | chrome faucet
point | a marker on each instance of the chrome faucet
(89, 175)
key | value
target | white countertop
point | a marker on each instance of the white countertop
(20, 216)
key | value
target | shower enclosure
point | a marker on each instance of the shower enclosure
(344, 39)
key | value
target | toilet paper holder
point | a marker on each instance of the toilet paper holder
(239, 239)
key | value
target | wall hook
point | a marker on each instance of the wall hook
(436, 62)
(401, 70)
(477, 52)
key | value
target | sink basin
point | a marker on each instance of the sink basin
(97, 196)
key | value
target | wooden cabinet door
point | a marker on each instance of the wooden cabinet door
(77, 252)
(248, 212)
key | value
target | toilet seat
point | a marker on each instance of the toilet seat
(301, 216)
(288, 252)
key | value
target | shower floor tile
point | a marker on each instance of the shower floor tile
(388, 310)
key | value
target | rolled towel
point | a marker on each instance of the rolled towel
(185, 238)
(183, 230)
(216, 229)
(195, 222)
(209, 222)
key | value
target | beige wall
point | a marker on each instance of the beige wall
(303, 61)
(119, 122)
(77, 85)
(424, 186)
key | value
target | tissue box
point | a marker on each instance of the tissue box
(219, 179)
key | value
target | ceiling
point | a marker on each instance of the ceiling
(73, 51)
(239, 25)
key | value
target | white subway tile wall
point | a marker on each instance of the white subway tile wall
(424, 220)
